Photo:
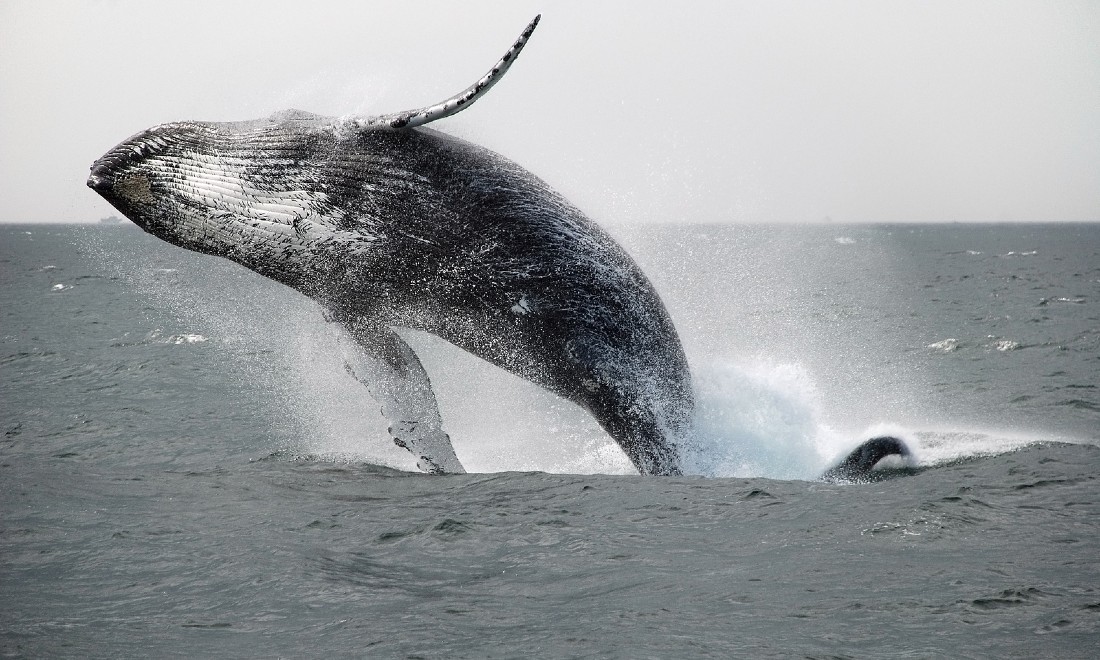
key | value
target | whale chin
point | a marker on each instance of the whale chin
(860, 464)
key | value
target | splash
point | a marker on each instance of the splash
(752, 420)
(759, 421)
(766, 420)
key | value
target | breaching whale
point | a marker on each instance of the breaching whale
(388, 225)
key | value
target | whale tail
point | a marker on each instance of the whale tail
(857, 465)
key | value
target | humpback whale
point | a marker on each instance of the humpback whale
(389, 224)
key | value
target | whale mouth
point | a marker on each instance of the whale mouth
(115, 179)
(128, 191)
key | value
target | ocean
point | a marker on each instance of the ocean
(186, 469)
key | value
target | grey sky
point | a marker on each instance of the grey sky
(696, 112)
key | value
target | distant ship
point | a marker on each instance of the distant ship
(112, 220)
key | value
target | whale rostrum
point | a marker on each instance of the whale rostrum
(388, 224)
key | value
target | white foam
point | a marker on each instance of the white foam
(157, 336)
(937, 446)
(186, 339)
(947, 345)
(1001, 344)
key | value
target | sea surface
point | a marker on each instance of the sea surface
(186, 470)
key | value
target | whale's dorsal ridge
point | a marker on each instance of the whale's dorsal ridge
(294, 115)
(453, 105)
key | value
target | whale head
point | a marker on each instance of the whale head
(220, 188)
(253, 190)
(124, 178)
(148, 177)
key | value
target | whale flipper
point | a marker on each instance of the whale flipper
(458, 102)
(858, 464)
(394, 377)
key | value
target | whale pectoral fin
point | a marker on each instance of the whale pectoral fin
(458, 102)
(393, 375)
(858, 464)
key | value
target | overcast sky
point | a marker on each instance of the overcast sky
(638, 112)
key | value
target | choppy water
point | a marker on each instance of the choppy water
(187, 471)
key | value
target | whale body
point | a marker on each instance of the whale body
(388, 224)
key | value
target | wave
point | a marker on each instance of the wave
(1075, 301)
(184, 339)
(992, 342)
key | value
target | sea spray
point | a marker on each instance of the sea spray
(757, 420)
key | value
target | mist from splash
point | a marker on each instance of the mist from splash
(758, 420)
